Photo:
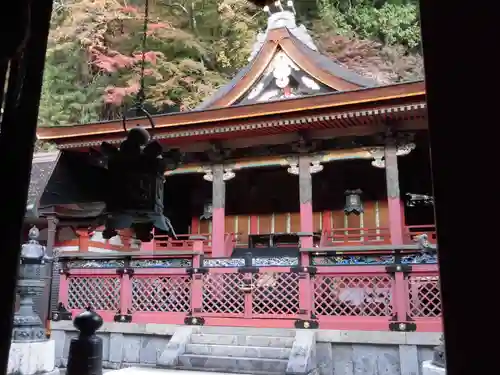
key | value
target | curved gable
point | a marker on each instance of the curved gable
(285, 64)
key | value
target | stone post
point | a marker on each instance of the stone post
(439, 358)
(85, 351)
(438, 364)
(31, 352)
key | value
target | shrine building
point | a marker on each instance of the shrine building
(300, 198)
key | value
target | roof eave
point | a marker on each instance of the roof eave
(188, 120)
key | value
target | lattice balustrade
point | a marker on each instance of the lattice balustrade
(353, 295)
(424, 297)
(275, 293)
(170, 293)
(100, 293)
(222, 293)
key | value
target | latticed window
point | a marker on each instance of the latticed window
(275, 293)
(222, 293)
(424, 296)
(99, 293)
(161, 293)
(353, 295)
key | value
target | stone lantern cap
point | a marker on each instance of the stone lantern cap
(33, 252)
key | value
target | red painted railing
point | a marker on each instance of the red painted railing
(232, 292)
(328, 238)
(182, 242)
(374, 236)
(356, 236)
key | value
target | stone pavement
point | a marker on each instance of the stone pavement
(157, 371)
(154, 371)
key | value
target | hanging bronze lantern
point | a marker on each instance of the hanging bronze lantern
(135, 185)
(414, 200)
(136, 172)
(353, 203)
(207, 211)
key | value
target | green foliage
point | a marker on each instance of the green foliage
(195, 46)
(71, 94)
(392, 22)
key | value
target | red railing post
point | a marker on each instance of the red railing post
(305, 284)
(401, 294)
(63, 286)
(197, 281)
(125, 292)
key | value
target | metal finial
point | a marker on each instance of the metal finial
(290, 5)
(278, 5)
(33, 233)
(267, 10)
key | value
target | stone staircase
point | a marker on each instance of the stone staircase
(239, 350)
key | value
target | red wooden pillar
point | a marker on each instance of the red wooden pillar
(305, 196)
(125, 294)
(393, 196)
(395, 223)
(306, 234)
(63, 288)
(195, 225)
(218, 214)
(83, 240)
(197, 282)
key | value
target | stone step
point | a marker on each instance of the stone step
(233, 364)
(247, 331)
(237, 340)
(238, 351)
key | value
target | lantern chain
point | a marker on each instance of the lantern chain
(141, 96)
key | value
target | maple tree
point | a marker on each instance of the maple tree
(195, 46)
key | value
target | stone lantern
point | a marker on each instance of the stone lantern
(438, 358)
(27, 324)
(436, 366)
(30, 351)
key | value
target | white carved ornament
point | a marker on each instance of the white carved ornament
(228, 175)
(315, 167)
(379, 155)
(281, 67)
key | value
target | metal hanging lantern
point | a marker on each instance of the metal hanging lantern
(353, 203)
(27, 324)
(414, 200)
(136, 173)
(207, 211)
